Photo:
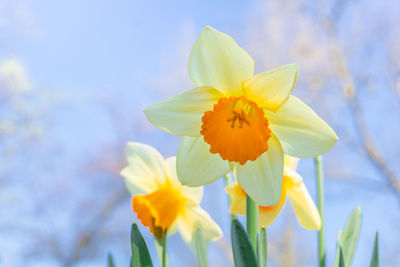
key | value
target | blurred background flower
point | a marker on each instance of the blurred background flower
(293, 188)
(75, 77)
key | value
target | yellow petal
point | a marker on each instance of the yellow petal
(181, 114)
(304, 207)
(196, 165)
(145, 170)
(301, 132)
(235, 189)
(271, 89)
(294, 177)
(195, 218)
(291, 162)
(192, 193)
(262, 178)
(238, 205)
(268, 215)
(217, 60)
(237, 199)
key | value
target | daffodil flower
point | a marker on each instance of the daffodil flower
(240, 122)
(293, 187)
(160, 201)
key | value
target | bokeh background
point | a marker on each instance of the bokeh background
(76, 75)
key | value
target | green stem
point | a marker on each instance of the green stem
(252, 221)
(228, 182)
(320, 190)
(262, 248)
(164, 250)
(161, 247)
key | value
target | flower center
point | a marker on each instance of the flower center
(237, 129)
(159, 209)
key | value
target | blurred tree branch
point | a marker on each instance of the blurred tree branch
(91, 231)
(350, 92)
(370, 148)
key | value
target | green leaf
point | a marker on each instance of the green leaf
(200, 246)
(341, 258)
(243, 252)
(375, 253)
(110, 261)
(140, 253)
(262, 248)
(348, 238)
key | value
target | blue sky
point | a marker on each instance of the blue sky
(104, 43)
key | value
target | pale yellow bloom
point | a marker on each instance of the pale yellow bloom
(160, 200)
(235, 121)
(293, 187)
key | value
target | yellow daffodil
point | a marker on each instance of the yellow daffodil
(160, 201)
(293, 187)
(240, 122)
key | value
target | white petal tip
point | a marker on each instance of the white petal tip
(336, 138)
(293, 65)
(208, 27)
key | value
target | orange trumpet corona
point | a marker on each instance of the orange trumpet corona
(237, 129)
(159, 209)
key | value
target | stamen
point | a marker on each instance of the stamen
(240, 117)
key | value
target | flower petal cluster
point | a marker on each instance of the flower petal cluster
(160, 201)
(237, 121)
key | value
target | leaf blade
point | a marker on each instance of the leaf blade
(348, 237)
(341, 258)
(375, 253)
(243, 252)
(110, 260)
(140, 253)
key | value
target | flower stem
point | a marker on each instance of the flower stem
(164, 250)
(252, 221)
(262, 248)
(228, 182)
(320, 190)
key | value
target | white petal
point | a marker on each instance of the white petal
(181, 114)
(271, 89)
(195, 218)
(145, 170)
(262, 178)
(196, 165)
(301, 132)
(217, 60)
